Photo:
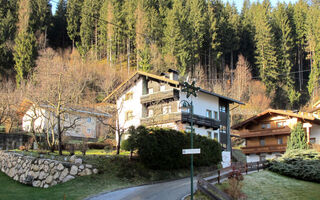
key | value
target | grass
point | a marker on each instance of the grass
(268, 185)
(116, 172)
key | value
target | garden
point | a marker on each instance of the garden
(149, 155)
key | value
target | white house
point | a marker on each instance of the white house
(152, 100)
(78, 123)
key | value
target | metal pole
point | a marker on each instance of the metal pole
(191, 146)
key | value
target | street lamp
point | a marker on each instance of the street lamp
(186, 106)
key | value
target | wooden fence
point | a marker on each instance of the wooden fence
(206, 183)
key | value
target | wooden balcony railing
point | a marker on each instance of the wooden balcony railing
(265, 132)
(264, 149)
(161, 119)
(158, 96)
(200, 120)
(184, 117)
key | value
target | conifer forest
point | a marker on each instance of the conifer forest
(264, 55)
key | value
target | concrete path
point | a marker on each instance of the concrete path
(172, 190)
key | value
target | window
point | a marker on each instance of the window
(150, 113)
(280, 141)
(88, 130)
(150, 90)
(209, 113)
(216, 115)
(262, 142)
(265, 126)
(89, 119)
(312, 140)
(223, 128)
(216, 136)
(209, 134)
(162, 87)
(222, 108)
(129, 115)
(166, 109)
(129, 96)
(279, 124)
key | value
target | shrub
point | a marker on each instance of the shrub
(22, 148)
(235, 185)
(300, 164)
(96, 145)
(162, 148)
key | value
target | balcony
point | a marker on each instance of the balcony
(265, 132)
(159, 96)
(264, 149)
(200, 120)
(161, 119)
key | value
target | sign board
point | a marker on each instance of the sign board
(190, 151)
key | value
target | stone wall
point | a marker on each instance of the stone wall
(40, 172)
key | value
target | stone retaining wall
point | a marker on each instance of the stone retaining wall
(40, 172)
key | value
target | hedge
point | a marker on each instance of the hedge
(300, 164)
(160, 148)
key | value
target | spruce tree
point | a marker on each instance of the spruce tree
(73, 19)
(297, 139)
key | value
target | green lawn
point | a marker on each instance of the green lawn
(267, 185)
(116, 172)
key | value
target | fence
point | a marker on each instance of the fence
(10, 141)
(206, 186)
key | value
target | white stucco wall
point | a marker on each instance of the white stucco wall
(203, 131)
(202, 102)
(133, 105)
(43, 120)
(315, 133)
(256, 158)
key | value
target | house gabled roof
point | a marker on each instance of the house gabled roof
(123, 86)
(301, 115)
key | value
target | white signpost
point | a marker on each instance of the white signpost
(191, 151)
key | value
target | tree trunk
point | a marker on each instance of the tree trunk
(59, 136)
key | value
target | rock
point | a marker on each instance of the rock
(36, 183)
(46, 186)
(35, 168)
(46, 162)
(81, 167)
(74, 170)
(88, 171)
(42, 175)
(51, 165)
(46, 168)
(83, 173)
(88, 166)
(64, 173)
(68, 178)
(36, 175)
(54, 183)
(16, 178)
(56, 175)
(78, 161)
(60, 167)
(95, 171)
(73, 158)
(12, 172)
(49, 179)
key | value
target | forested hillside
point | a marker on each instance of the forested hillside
(262, 55)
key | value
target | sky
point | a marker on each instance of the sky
(237, 2)
(273, 2)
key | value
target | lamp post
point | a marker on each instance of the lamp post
(190, 89)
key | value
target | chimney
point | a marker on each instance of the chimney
(173, 75)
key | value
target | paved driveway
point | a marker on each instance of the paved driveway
(172, 190)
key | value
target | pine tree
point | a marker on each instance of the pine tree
(89, 26)
(73, 19)
(283, 37)
(25, 44)
(265, 47)
(297, 139)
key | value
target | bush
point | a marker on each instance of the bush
(162, 148)
(96, 145)
(300, 164)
